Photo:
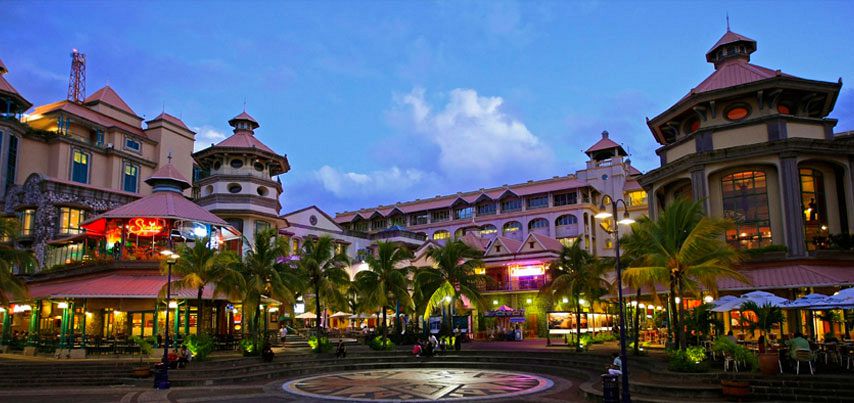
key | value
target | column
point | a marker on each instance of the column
(187, 319)
(70, 329)
(175, 326)
(698, 187)
(156, 320)
(33, 338)
(791, 189)
(7, 324)
(83, 325)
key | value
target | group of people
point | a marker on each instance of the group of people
(432, 345)
(179, 358)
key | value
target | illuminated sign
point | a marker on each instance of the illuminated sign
(522, 271)
(146, 226)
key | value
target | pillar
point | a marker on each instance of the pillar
(698, 188)
(156, 320)
(187, 318)
(792, 209)
(7, 324)
(70, 329)
(175, 326)
(34, 330)
(83, 325)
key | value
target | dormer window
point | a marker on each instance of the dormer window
(133, 145)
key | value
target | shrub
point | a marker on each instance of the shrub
(320, 345)
(143, 343)
(199, 345)
(725, 345)
(766, 249)
(248, 348)
(377, 344)
(691, 359)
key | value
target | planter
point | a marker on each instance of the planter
(141, 372)
(768, 363)
(737, 390)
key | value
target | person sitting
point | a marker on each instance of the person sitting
(267, 354)
(184, 357)
(172, 357)
(616, 367)
(730, 336)
(798, 343)
(416, 349)
(341, 351)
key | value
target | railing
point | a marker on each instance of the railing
(514, 285)
(398, 234)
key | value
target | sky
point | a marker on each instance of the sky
(376, 102)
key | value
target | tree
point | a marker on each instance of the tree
(385, 282)
(323, 270)
(766, 316)
(633, 248)
(452, 277)
(200, 266)
(683, 249)
(263, 275)
(10, 258)
(575, 272)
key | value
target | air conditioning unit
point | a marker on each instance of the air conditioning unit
(109, 145)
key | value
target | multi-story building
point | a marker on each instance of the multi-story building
(66, 161)
(239, 179)
(756, 146)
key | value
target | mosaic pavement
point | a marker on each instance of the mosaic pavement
(394, 385)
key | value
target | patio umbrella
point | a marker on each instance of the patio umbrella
(504, 308)
(307, 315)
(807, 301)
(727, 303)
(764, 298)
(837, 301)
(340, 314)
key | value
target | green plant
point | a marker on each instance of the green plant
(842, 241)
(322, 272)
(377, 344)
(248, 348)
(727, 346)
(766, 249)
(691, 359)
(199, 345)
(386, 283)
(319, 345)
(144, 346)
(766, 316)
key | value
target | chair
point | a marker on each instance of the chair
(729, 360)
(803, 356)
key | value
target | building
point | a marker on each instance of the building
(756, 146)
(239, 180)
(92, 157)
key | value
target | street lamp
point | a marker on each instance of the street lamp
(171, 258)
(626, 220)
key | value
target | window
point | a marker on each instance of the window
(636, 198)
(439, 235)
(262, 191)
(463, 213)
(398, 221)
(512, 227)
(440, 215)
(538, 223)
(133, 145)
(80, 167)
(63, 124)
(360, 226)
(565, 199)
(814, 206)
(538, 202)
(511, 205)
(11, 161)
(566, 220)
(459, 233)
(236, 164)
(70, 219)
(26, 224)
(419, 219)
(130, 177)
(295, 244)
(99, 137)
(235, 223)
(737, 112)
(234, 188)
(378, 224)
(340, 248)
(261, 226)
(745, 202)
(488, 230)
(217, 165)
(486, 209)
(258, 167)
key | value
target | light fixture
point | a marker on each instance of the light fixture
(21, 308)
(62, 305)
(659, 307)
(634, 303)
(626, 219)
(173, 304)
(234, 311)
(678, 300)
(495, 302)
(273, 309)
(200, 232)
(824, 227)
(88, 313)
(2, 310)
(447, 298)
(167, 252)
(565, 300)
(708, 299)
(603, 214)
(581, 301)
(528, 301)
(642, 306)
(117, 312)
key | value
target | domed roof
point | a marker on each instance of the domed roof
(244, 117)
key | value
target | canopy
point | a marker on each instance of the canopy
(112, 285)
(340, 314)
(365, 316)
(843, 299)
(505, 308)
(726, 303)
(807, 301)
(307, 315)
(730, 303)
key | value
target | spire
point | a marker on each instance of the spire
(727, 22)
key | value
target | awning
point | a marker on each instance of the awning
(116, 285)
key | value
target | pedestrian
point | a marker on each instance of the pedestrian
(283, 333)
(341, 351)
(416, 349)
(616, 367)
(458, 341)
(267, 354)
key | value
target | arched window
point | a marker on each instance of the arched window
(568, 219)
(512, 229)
(538, 225)
(745, 202)
(442, 234)
(488, 230)
(459, 233)
(814, 206)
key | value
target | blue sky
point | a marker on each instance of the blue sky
(377, 102)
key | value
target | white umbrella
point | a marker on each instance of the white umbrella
(340, 314)
(307, 315)
(764, 298)
(727, 303)
(807, 301)
(839, 300)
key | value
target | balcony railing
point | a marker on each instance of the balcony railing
(514, 285)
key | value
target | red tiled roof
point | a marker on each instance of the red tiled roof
(170, 205)
(87, 114)
(108, 96)
(632, 170)
(632, 185)
(510, 244)
(3, 68)
(112, 285)
(603, 144)
(729, 37)
(790, 276)
(169, 171)
(244, 116)
(475, 242)
(548, 242)
(243, 139)
(732, 73)
(171, 119)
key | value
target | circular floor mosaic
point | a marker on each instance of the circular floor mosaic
(394, 385)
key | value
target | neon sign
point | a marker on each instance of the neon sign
(522, 271)
(146, 226)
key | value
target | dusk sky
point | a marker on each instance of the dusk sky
(378, 102)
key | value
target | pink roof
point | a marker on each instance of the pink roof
(169, 171)
(632, 170)
(475, 241)
(567, 183)
(108, 96)
(632, 185)
(3, 68)
(171, 119)
(171, 205)
(792, 275)
(732, 73)
(112, 285)
(547, 242)
(729, 37)
(603, 144)
(244, 139)
(87, 114)
(244, 116)
(510, 244)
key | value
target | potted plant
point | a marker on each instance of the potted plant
(766, 316)
(141, 371)
(734, 388)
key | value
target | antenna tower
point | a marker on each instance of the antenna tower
(77, 79)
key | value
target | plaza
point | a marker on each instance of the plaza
(140, 263)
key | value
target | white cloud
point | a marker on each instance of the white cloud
(381, 182)
(206, 136)
(477, 140)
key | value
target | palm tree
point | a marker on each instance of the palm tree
(575, 272)
(452, 277)
(633, 248)
(11, 285)
(683, 249)
(385, 282)
(766, 316)
(200, 266)
(263, 275)
(323, 270)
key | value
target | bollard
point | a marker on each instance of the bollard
(160, 379)
(610, 388)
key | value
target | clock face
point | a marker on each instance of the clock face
(312, 220)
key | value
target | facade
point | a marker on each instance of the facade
(91, 157)
(756, 146)
(239, 180)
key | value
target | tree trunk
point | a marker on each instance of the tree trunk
(577, 323)
(637, 323)
(199, 313)
(683, 342)
(674, 319)
(385, 326)
(317, 307)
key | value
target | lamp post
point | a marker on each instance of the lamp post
(171, 258)
(626, 220)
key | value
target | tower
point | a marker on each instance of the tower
(239, 180)
(77, 78)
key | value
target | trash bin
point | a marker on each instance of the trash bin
(161, 378)
(610, 388)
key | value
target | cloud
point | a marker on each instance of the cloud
(386, 182)
(206, 136)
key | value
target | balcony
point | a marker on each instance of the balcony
(516, 284)
(563, 231)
